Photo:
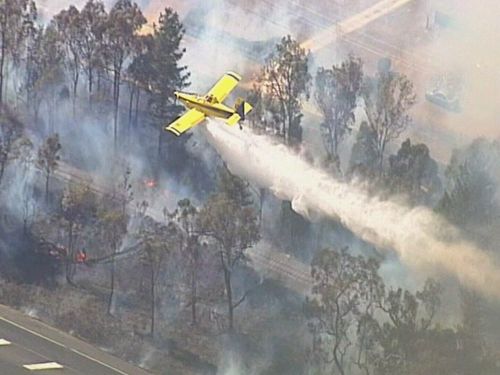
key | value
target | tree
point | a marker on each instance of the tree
(125, 19)
(364, 152)
(412, 171)
(29, 212)
(33, 40)
(138, 75)
(50, 76)
(295, 231)
(475, 357)
(406, 337)
(164, 76)
(114, 217)
(113, 224)
(78, 207)
(257, 118)
(234, 228)
(158, 241)
(285, 81)
(13, 143)
(13, 14)
(48, 157)
(186, 216)
(233, 187)
(470, 198)
(68, 25)
(337, 91)
(388, 98)
(346, 288)
(90, 40)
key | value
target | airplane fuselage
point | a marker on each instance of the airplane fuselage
(211, 105)
(205, 104)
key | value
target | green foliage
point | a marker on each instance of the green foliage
(472, 181)
(79, 203)
(157, 70)
(345, 289)
(364, 152)
(32, 70)
(48, 157)
(388, 98)
(67, 23)
(165, 74)
(14, 22)
(227, 219)
(45, 71)
(284, 81)
(294, 230)
(158, 241)
(354, 320)
(48, 154)
(412, 171)
(113, 225)
(90, 39)
(124, 20)
(13, 143)
(233, 187)
(337, 91)
(193, 256)
(233, 226)
(51, 60)
(78, 209)
(405, 340)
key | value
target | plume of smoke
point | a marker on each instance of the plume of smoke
(423, 241)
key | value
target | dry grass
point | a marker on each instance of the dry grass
(84, 315)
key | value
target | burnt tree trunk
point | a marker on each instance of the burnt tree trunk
(136, 115)
(130, 111)
(112, 283)
(47, 180)
(2, 60)
(229, 293)
(2, 169)
(116, 99)
(91, 77)
(153, 301)
(69, 255)
(194, 291)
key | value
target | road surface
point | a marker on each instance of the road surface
(28, 346)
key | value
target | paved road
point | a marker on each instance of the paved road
(25, 341)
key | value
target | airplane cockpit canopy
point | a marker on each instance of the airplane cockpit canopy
(211, 99)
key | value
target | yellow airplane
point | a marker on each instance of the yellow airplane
(210, 105)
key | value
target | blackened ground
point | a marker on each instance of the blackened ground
(21, 259)
(271, 341)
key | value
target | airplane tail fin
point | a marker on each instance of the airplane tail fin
(242, 108)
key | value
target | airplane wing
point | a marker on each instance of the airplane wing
(188, 120)
(224, 86)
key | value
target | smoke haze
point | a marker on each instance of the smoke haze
(423, 241)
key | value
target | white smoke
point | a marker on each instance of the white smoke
(423, 240)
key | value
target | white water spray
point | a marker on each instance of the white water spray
(422, 239)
